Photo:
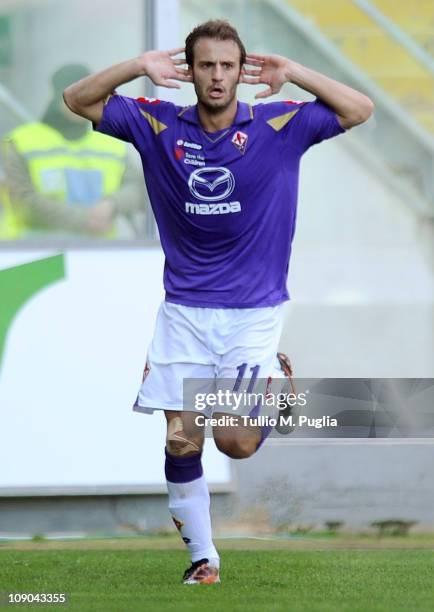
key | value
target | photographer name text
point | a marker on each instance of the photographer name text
(265, 421)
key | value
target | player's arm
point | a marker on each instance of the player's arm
(351, 106)
(87, 96)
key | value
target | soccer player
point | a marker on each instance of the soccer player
(222, 178)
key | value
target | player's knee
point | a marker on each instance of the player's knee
(238, 447)
(179, 443)
(184, 448)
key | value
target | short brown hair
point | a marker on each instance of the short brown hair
(219, 29)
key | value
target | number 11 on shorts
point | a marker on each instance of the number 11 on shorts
(241, 371)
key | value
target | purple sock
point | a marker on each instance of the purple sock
(265, 429)
(183, 469)
(265, 432)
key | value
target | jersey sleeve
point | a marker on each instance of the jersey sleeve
(313, 123)
(130, 120)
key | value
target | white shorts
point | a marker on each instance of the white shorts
(212, 344)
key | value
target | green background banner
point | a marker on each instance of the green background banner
(20, 283)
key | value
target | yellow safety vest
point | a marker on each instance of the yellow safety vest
(7, 227)
(79, 171)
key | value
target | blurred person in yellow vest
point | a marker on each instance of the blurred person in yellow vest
(63, 179)
(3, 228)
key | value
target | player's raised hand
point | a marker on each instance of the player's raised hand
(163, 68)
(271, 70)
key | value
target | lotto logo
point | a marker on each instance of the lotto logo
(188, 145)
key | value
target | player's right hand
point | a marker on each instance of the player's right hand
(164, 69)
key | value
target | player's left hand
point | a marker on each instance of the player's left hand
(271, 70)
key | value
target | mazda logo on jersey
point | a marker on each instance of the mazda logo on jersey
(211, 184)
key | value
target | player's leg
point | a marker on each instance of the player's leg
(189, 500)
(176, 353)
(237, 441)
(251, 368)
(243, 440)
(246, 433)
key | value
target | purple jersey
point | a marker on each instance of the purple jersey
(225, 203)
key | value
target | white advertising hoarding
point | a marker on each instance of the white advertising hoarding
(74, 329)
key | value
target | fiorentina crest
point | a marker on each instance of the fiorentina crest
(146, 371)
(240, 141)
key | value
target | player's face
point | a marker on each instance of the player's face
(216, 72)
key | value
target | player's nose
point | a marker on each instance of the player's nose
(217, 74)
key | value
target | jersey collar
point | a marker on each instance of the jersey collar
(244, 114)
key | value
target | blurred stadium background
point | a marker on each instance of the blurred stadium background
(76, 314)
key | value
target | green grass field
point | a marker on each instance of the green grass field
(256, 575)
